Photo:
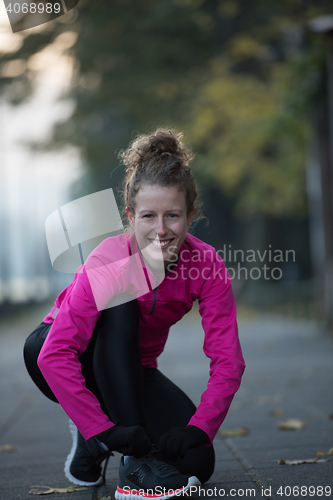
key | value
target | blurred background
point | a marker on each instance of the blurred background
(249, 82)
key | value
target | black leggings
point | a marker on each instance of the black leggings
(128, 393)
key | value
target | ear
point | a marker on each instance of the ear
(190, 217)
(130, 215)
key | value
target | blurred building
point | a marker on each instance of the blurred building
(33, 183)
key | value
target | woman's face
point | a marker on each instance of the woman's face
(160, 222)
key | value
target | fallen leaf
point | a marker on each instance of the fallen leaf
(329, 452)
(47, 490)
(7, 448)
(277, 412)
(40, 490)
(240, 431)
(291, 424)
(299, 462)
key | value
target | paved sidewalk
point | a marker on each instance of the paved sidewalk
(289, 375)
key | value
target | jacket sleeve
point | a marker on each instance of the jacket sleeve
(221, 344)
(59, 361)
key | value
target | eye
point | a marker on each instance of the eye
(173, 216)
(147, 216)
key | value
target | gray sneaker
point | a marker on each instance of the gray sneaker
(84, 462)
(149, 476)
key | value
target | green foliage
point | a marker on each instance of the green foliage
(233, 74)
(247, 144)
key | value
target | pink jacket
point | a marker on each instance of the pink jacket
(199, 274)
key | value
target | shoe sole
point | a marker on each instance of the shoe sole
(73, 431)
(132, 494)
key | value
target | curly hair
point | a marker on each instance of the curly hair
(159, 159)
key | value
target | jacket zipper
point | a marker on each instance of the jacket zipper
(148, 281)
(154, 300)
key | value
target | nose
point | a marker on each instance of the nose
(160, 228)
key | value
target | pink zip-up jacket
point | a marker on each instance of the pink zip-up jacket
(115, 268)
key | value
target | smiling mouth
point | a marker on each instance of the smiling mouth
(161, 243)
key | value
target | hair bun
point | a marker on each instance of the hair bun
(165, 143)
(146, 148)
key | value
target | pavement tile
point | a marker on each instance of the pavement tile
(289, 481)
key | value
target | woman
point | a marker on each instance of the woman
(99, 359)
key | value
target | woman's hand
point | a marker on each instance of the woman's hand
(127, 440)
(178, 440)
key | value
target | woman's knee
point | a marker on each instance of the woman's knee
(31, 350)
(123, 317)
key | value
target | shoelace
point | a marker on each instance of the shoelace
(156, 457)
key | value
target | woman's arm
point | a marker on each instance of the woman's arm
(59, 362)
(218, 311)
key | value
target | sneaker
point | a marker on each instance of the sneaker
(83, 464)
(151, 477)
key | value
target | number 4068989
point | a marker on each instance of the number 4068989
(34, 8)
(303, 491)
